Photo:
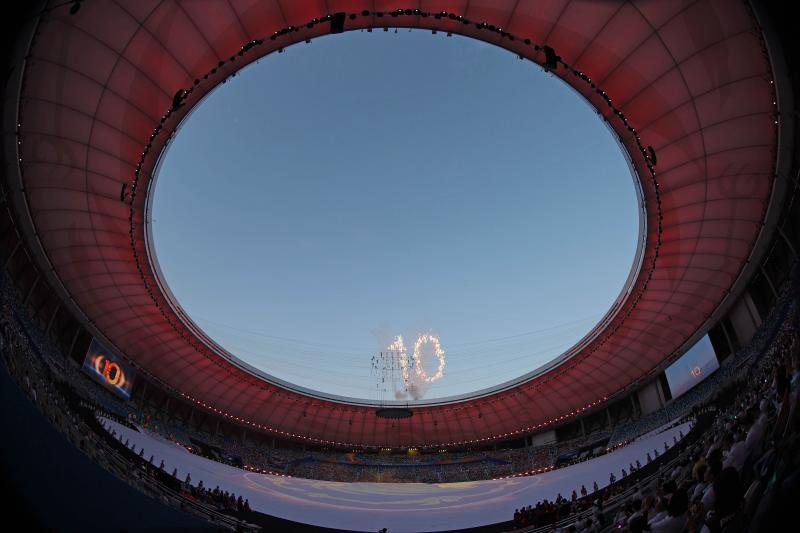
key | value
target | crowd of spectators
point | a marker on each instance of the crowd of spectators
(476, 467)
(221, 499)
(741, 473)
(427, 467)
(62, 398)
(359, 465)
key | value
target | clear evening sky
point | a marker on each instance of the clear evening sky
(368, 185)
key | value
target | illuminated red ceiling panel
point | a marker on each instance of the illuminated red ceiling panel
(691, 78)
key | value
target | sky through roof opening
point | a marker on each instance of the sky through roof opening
(395, 216)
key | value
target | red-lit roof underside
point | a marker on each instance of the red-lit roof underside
(692, 78)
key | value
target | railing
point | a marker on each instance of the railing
(609, 507)
(176, 499)
(612, 505)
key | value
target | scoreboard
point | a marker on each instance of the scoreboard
(109, 369)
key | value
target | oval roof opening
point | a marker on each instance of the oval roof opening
(334, 199)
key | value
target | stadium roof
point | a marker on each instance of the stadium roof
(687, 86)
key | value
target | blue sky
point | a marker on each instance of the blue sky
(368, 185)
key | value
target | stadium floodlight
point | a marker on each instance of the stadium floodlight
(550, 58)
(337, 22)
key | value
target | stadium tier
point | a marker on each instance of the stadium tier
(674, 410)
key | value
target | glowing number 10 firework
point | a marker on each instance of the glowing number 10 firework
(427, 338)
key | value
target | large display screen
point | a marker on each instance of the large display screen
(693, 367)
(109, 369)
